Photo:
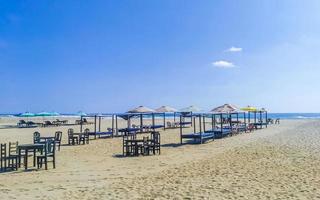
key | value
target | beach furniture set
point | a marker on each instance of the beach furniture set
(78, 138)
(221, 125)
(42, 150)
(147, 145)
(31, 124)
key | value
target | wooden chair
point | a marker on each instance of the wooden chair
(128, 149)
(57, 139)
(250, 128)
(155, 142)
(7, 161)
(13, 151)
(36, 137)
(84, 138)
(49, 152)
(72, 139)
(145, 147)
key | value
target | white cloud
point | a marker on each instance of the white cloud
(234, 49)
(223, 64)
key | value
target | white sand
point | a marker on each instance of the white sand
(281, 162)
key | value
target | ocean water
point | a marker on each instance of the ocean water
(270, 115)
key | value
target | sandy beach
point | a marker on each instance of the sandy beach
(280, 162)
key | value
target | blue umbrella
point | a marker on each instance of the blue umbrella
(27, 114)
(43, 114)
(80, 113)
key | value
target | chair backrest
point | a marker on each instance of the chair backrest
(58, 136)
(155, 136)
(131, 136)
(145, 140)
(13, 148)
(109, 129)
(50, 147)
(22, 121)
(36, 137)
(3, 151)
(86, 132)
(70, 131)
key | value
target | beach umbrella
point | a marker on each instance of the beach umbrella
(141, 109)
(166, 109)
(226, 108)
(249, 109)
(27, 114)
(190, 109)
(55, 114)
(43, 114)
(80, 113)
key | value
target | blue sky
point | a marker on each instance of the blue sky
(109, 56)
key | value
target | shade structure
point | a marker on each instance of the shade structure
(226, 108)
(43, 114)
(80, 113)
(27, 114)
(190, 109)
(141, 109)
(166, 109)
(249, 109)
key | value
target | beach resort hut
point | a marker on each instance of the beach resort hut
(262, 120)
(140, 112)
(199, 133)
(97, 130)
(164, 110)
(186, 112)
(141, 109)
(231, 110)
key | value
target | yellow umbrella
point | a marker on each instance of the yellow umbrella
(249, 109)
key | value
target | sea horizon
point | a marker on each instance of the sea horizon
(284, 115)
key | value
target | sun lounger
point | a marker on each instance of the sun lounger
(201, 137)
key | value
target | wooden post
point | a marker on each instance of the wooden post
(180, 130)
(194, 123)
(117, 131)
(200, 129)
(221, 123)
(266, 119)
(212, 122)
(99, 123)
(112, 125)
(164, 121)
(95, 124)
(141, 122)
(81, 124)
(204, 123)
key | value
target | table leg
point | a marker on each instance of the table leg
(26, 160)
(34, 157)
(19, 160)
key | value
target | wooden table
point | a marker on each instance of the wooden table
(27, 148)
(135, 143)
(47, 138)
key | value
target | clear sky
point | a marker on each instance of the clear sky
(111, 55)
